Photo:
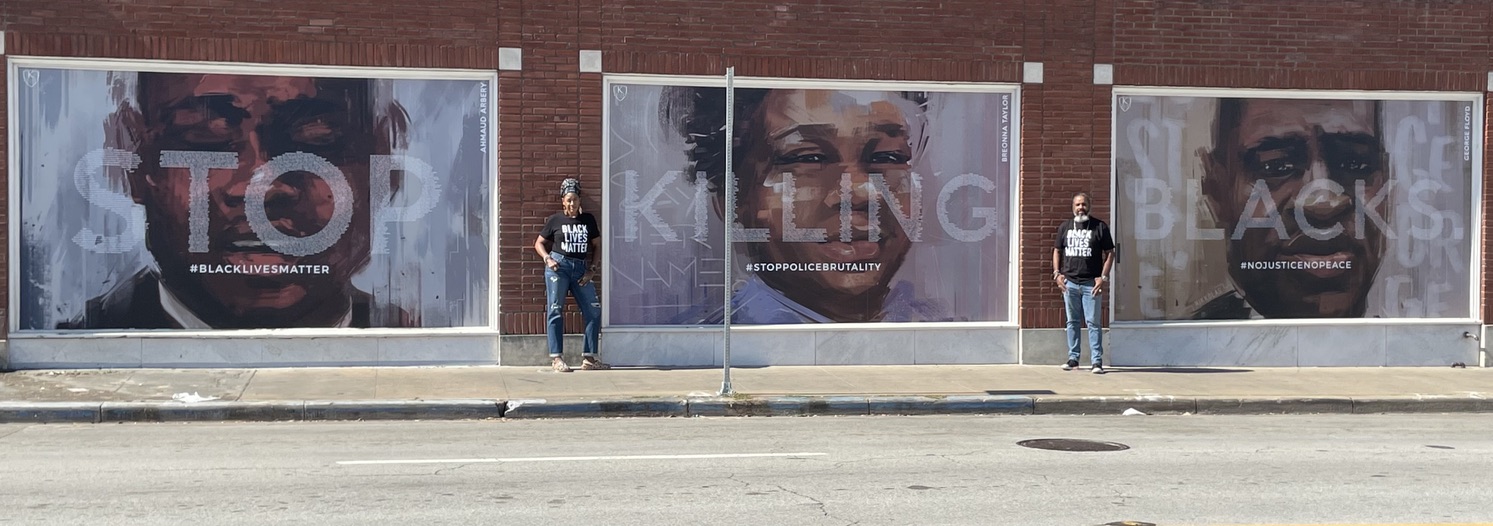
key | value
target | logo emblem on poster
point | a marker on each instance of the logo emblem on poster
(619, 92)
(1124, 103)
(31, 77)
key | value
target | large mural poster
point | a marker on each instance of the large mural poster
(864, 204)
(211, 200)
(1254, 207)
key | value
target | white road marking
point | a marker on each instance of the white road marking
(573, 459)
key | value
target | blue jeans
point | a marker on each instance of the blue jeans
(1083, 305)
(559, 282)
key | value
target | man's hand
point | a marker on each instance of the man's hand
(1062, 281)
(1098, 285)
(588, 276)
(551, 264)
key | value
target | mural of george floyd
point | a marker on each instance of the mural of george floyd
(1254, 207)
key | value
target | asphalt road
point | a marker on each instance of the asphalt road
(1354, 469)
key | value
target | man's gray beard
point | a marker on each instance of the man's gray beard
(1081, 218)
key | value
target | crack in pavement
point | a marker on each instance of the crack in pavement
(121, 384)
(17, 430)
(245, 388)
(952, 458)
(439, 472)
(1044, 477)
(843, 462)
(818, 504)
(732, 477)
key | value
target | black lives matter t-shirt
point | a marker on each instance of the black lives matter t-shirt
(1082, 247)
(571, 236)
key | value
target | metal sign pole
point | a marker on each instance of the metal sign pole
(730, 216)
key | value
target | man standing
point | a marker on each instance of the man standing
(1081, 259)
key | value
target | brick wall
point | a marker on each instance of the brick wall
(550, 114)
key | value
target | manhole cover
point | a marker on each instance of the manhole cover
(1070, 444)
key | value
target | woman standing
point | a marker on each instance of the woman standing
(570, 245)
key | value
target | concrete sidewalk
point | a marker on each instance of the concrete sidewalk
(354, 393)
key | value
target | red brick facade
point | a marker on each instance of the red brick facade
(550, 113)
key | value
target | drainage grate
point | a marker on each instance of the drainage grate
(1070, 444)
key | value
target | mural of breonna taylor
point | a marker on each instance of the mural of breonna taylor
(853, 205)
(199, 201)
(1247, 208)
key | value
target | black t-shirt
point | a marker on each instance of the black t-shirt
(1082, 247)
(571, 236)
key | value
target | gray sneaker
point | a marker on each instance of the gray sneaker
(1070, 365)
(1098, 369)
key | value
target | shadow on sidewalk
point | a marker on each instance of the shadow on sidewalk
(1182, 370)
(1020, 392)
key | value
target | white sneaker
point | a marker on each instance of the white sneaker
(1097, 370)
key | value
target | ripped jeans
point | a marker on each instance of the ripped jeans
(558, 282)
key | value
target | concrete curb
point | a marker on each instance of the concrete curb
(460, 409)
(779, 406)
(951, 405)
(986, 405)
(1113, 405)
(1422, 404)
(900, 405)
(1267, 405)
(634, 407)
(215, 411)
(470, 409)
(49, 412)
